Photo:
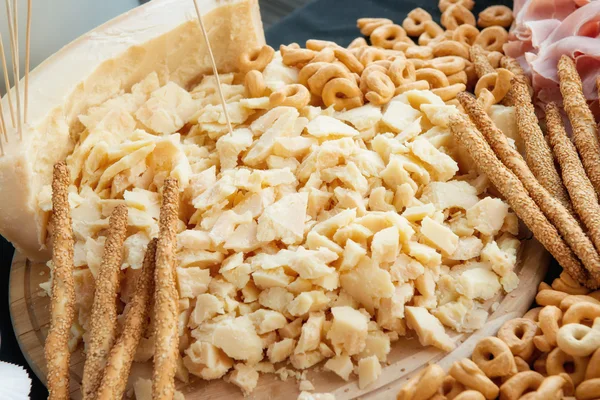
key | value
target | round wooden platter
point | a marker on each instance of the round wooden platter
(29, 307)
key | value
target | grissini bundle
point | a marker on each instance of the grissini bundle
(103, 321)
(121, 355)
(62, 304)
(584, 126)
(515, 193)
(166, 296)
(564, 222)
(539, 155)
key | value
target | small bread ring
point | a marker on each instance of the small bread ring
(449, 65)
(324, 74)
(573, 299)
(494, 358)
(496, 82)
(521, 365)
(444, 4)
(326, 55)
(495, 15)
(566, 284)
(414, 24)
(549, 323)
(457, 15)
(420, 52)
(555, 387)
(522, 382)
(294, 95)
(368, 25)
(579, 340)
(436, 78)
(588, 390)
(451, 48)
(424, 385)
(387, 35)
(349, 60)
(465, 34)
(451, 388)
(557, 359)
(470, 395)
(539, 365)
(255, 83)
(459, 77)
(294, 56)
(402, 71)
(492, 38)
(495, 57)
(518, 334)
(256, 58)
(449, 92)
(417, 85)
(471, 376)
(342, 94)
(358, 42)
(593, 369)
(377, 86)
(486, 100)
(533, 314)
(318, 45)
(578, 313)
(550, 297)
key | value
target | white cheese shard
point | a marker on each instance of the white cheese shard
(310, 337)
(367, 283)
(245, 377)
(349, 175)
(230, 145)
(457, 194)
(398, 116)
(167, 109)
(348, 332)
(468, 247)
(478, 281)
(281, 350)
(429, 329)
(351, 256)
(237, 337)
(284, 219)
(417, 213)
(340, 365)
(385, 245)
(192, 281)
(369, 370)
(207, 306)
(324, 126)
(487, 216)
(266, 321)
(502, 262)
(362, 118)
(438, 234)
(307, 302)
(439, 115)
(276, 123)
(442, 165)
(377, 344)
(315, 396)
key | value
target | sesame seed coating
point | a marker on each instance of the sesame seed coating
(122, 354)
(564, 222)
(583, 123)
(480, 61)
(513, 190)
(62, 306)
(166, 296)
(513, 66)
(539, 155)
(103, 320)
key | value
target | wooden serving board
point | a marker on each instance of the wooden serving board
(29, 309)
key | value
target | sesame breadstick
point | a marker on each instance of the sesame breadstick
(62, 306)
(121, 355)
(103, 319)
(514, 192)
(513, 66)
(480, 61)
(585, 200)
(166, 297)
(584, 127)
(564, 222)
(539, 155)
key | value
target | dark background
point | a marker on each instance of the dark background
(285, 21)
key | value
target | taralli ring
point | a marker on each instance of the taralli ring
(368, 25)
(451, 388)
(469, 374)
(294, 95)
(414, 23)
(549, 323)
(533, 314)
(555, 387)
(549, 297)
(495, 15)
(377, 86)
(573, 299)
(342, 93)
(518, 334)
(579, 340)
(444, 4)
(494, 358)
(424, 385)
(470, 395)
(436, 78)
(451, 48)
(449, 65)
(558, 361)
(449, 92)
(256, 58)
(522, 382)
(579, 312)
(588, 390)
(492, 38)
(255, 83)
(349, 60)
(496, 82)
(417, 85)
(457, 15)
(465, 34)
(402, 71)
(387, 35)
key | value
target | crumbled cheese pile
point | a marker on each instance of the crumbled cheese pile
(305, 234)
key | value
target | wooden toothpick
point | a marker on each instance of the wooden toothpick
(214, 67)
(27, 53)
(14, 43)
(7, 83)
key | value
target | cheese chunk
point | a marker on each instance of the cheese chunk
(443, 195)
(340, 365)
(311, 333)
(348, 331)
(245, 377)
(284, 219)
(324, 126)
(237, 337)
(429, 329)
(279, 351)
(441, 236)
(369, 370)
(478, 282)
(487, 216)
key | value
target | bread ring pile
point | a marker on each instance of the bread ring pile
(552, 352)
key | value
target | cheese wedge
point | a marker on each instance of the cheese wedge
(162, 36)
